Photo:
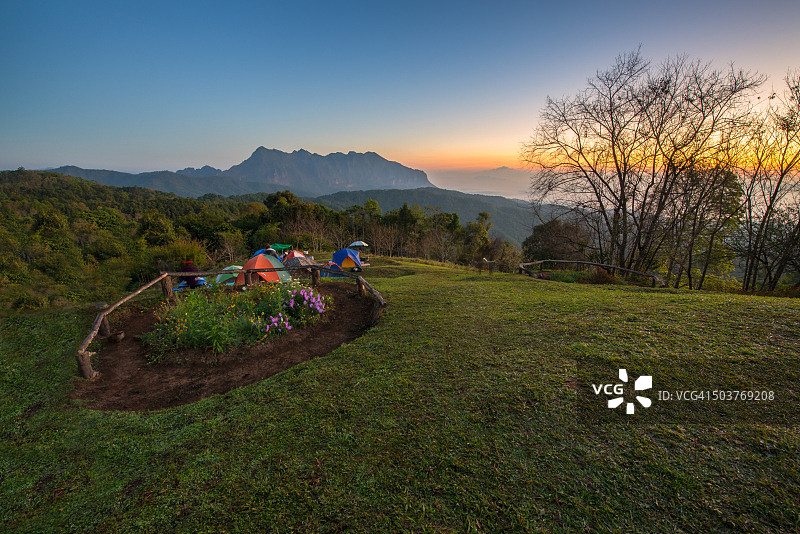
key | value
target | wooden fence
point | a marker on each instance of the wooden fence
(102, 326)
(527, 268)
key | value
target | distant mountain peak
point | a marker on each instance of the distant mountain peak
(314, 174)
(269, 169)
(205, 171)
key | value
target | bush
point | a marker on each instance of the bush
(146, 264)
(723, 284)
(569, 277)
(597, 275)
(218, 319)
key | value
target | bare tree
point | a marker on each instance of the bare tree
(770, 171)
(618, 152)
(231, 245)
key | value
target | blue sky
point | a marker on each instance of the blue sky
(142, 86)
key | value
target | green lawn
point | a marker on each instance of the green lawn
(456, 413)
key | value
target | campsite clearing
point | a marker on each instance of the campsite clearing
(456, 412)
(128, 382)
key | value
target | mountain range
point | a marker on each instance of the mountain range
(270, 170)
(338, 181)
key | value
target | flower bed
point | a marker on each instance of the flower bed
(219, 319)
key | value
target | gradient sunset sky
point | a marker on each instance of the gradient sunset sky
(142, 86)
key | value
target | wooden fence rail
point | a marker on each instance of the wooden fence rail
(101, 324)
(526, 269)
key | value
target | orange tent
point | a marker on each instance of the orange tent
(264, 261)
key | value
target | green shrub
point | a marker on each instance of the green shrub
(148, 262)
(569, 277)
(726, 284)
(218, 319)
(593, 276)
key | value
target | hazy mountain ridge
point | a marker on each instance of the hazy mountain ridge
(303, 171)
(206, 171)
(168, 181)
(347, 179)
(270, 170)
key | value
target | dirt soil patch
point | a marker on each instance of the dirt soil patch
(128, 382)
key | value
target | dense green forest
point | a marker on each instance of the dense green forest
(66, 239)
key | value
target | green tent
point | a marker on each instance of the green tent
(228, 278)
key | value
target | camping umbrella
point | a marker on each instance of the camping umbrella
(279, 247)
(357, 244)
(265, 261)
(227, 278)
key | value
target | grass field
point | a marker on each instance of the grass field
(458, 412)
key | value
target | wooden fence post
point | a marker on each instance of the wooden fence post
(248, 278)
(105, 328)
(314, 277)
(85, 364)
(362, 289)
(166, 288)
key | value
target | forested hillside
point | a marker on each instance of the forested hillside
(67, 239)
(180, 183)
(512, 219)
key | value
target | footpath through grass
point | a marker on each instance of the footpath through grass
(456, 413)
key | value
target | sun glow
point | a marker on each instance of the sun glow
(460, 160)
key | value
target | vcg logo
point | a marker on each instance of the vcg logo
(642, 383)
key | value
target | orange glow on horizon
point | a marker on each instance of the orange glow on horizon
(459, 161)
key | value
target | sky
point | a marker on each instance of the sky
(440, 86)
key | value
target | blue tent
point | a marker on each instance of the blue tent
(346, 258)
(333, 267)
(201, 281)
(269, 251)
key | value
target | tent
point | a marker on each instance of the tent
(333, 267)
(227, 278)
(346, 258)
(296, 258)
(269, 251)
(279, 247)
(357, 244)
(264, 261)
(201, 281)
(293, 254)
